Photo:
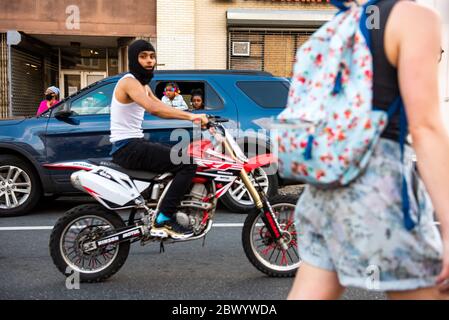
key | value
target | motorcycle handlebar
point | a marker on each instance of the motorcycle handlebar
(214, 120)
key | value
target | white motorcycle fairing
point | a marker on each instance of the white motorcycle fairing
(113, 189)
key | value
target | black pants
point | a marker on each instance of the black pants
(140, 154)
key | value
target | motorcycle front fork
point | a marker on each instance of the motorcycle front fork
(264, 207)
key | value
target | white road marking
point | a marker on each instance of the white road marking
(42, 228)
(227, 225)
(24, 228)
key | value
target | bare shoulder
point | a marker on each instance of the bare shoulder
(413, 26)
(128, 83)
(124, 89)
(409, 16)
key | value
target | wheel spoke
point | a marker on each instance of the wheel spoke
(22, 184)
(14, 199)
(10, 171)
(274, 250)
(296, 252)
(2, 178)
(289, 256)
(240, 196)
(18, 172)
(8, 201)
(240, 187)
(22, 190)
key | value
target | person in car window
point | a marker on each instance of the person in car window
(172, 97)
(197, 100)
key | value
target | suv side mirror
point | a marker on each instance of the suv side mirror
(64, 113)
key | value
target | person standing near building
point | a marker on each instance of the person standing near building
(51, 98)
(353, 233)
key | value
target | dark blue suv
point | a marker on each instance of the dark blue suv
(78, 129)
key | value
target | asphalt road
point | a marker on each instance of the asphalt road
(218, 271)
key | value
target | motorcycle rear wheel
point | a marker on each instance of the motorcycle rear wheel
(82, 224)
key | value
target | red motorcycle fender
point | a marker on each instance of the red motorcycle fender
(259, 161)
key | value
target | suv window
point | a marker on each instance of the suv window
(267, 94)
(97, 101)
(212, 100)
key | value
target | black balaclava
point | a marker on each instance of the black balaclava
(135, 68)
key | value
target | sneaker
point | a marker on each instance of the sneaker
(171, 229)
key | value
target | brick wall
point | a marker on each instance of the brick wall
(192, 34)
(176, 34)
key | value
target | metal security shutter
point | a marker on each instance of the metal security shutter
(27, 83)
(269, 50)
(3, 76)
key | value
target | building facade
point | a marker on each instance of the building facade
(67, 43)
(236, 34)
(72, 43)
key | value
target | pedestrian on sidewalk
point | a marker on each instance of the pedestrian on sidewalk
(51, 98)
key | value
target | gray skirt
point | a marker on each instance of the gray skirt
(358, 231)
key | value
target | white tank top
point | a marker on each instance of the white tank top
(126, 118)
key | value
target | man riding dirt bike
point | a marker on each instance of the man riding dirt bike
(174, 202)
(131, 97)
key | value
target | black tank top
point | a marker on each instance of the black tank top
(386, 84)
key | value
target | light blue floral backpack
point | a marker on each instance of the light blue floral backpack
(329, 129)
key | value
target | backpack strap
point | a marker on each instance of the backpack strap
(398, 106)
(340, 4)
(363, 27)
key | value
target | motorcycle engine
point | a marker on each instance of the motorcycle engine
(192, 215)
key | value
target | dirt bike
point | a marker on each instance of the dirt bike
(94, 240)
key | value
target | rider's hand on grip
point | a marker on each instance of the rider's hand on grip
(200, 118)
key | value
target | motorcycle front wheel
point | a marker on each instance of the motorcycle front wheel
(261, 249)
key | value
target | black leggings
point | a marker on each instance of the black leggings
(140, 154)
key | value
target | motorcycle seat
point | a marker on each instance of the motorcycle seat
(133, 174)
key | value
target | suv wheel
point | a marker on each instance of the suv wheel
(20, 189)
(238, 199)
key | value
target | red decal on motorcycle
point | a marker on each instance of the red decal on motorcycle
(224, 166)
(223, 190)
(220, 192)
(90, 191)
(64, 167)
(199, 180)
(205, 217)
